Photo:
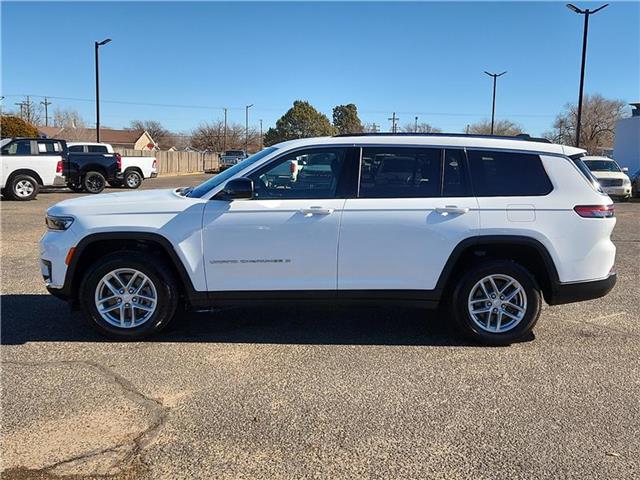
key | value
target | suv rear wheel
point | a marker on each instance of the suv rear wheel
(496, 302)
(128, 295)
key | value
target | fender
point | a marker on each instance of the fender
(473, 242)
(196, 298)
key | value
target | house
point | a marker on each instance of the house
(119, 139)
(626, 148)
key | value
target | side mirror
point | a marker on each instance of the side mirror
(625, 169)
(236, 189)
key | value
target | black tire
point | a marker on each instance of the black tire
(115, 183)
(158, 273)
(22, 187)
(94, 182)
(132, 179)
(459, 306)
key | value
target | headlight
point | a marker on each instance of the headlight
(626, 181)
(58, 223)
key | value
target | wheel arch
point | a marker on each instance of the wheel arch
(25, 171)
(93, 246)
(526, 251)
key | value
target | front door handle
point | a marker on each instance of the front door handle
(316, 211)
(452, 209)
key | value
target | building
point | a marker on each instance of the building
(120, 139)
(626, 147)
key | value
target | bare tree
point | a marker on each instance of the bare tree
(599, 117)
(211, 136)
(422, 128)
(153, 128)
(68, 118)
(501, 127)
(29, 111)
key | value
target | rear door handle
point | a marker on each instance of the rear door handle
(452, 209)
(316, 211)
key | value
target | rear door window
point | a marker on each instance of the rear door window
(397, 172)
(97, 149)
(507, 174)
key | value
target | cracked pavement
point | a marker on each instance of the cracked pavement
(315, 392)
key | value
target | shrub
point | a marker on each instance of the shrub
(11, 126)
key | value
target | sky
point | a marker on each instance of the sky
(180, 63)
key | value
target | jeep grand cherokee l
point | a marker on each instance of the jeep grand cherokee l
(487, 226)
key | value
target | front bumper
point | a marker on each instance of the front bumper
(562, 293)
(624, 191)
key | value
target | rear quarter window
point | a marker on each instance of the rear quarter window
(507, 174)
(98, 149)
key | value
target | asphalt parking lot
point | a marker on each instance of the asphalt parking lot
(308, 392)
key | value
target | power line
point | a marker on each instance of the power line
(283, 109)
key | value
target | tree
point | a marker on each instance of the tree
(346, 120)
(422, 128)
(68, 118)
(501, 127)
(300, 121)
(210, 136)
(153, 128)
(599, 117)
(12, 126)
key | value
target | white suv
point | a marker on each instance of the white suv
(487, 226)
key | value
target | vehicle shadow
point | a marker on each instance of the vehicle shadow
(43, 318)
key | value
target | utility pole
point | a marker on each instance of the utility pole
(224, 138)
(416, 127)
(586, 14)
(374, 127)
(21, 105)
(493, 109)
(394, 123)
(97, 45)
(261, 141)
(46, 104)
(467, 129)
(246, 128)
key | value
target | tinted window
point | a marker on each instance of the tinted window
(19, 147)
(454, 182)
(496, 174)
(313, 173)
(76, 148)
(49, 148)
(393, 172)
(97, 149)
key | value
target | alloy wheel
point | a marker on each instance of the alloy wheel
(497, 303)
(24, 188)
(126, 298)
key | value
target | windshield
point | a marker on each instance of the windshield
(234, 153)
(602, 165)
(203, 188)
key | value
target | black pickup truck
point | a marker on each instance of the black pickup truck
(90, 172)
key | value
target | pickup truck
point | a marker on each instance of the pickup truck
(91, 171)
(230, 157)
(133, 170)
(27, 164)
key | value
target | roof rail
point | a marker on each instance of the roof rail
(521, 136)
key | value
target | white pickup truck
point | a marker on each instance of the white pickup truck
(134, 169)
(26, 164)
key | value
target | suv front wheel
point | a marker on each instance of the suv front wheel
(128, 295)
(496, 302)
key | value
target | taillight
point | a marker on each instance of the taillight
(293, 167)
(153, 165)
(59, 167)
(595, 211)
(119, 161)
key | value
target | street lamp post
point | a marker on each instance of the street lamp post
(97, 46)
(493, 108)
(246, 128)
(586, 14)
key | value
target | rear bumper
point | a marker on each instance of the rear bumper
(154, 174)
(562, 293)
(59, 181)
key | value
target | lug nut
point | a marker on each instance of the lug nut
(501, 297)
(119, 300)
(121, 291)
(495, 310)
(131, 290)
(134, 300)
(127, 305)
(493, 296)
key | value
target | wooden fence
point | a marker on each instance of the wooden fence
(176, 163)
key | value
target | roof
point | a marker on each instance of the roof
(107, 135)
(438, 141)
